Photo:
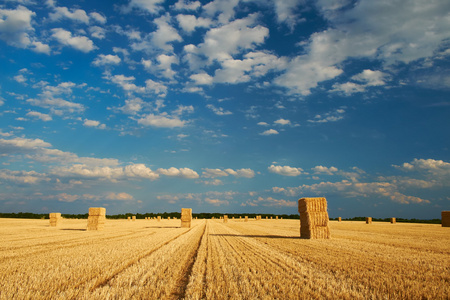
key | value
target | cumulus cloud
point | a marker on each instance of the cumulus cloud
(324, 170)
(285, 170)
(219, 110)
(105, 60)
(189, 22)
(119, 196)
(282, 122)
(80, 43)
(367, 78)
(77, 15)
(332, 116)
(216, 202)
(151, 6)
(182, 172)
(213, 173)
(93, 123)
(404, 34)
(202, 78)
(187, 5)
(221, 43)
(269, 132)
(163, 121)
(428, 166)
(15, 26)
(38, 115)
(22, 177)
(270, 201)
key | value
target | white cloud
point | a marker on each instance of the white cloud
(367, 78)
(262, 124)
(165, 64)
(98, 17)
(246, 173)
(324, 170)
(270, 201)
(213, 173)
(221, 43)
(189, 22)
(285, 170)
(285, 11)
(159, 39)
(56, 104)
(332, 116)
(77, 15)
(119, 196)
(151, 6)
(21, 145)
(65, 37)
(22, 177)
(15, 26)
(187, 5)
(41, 116)
(93, 123)
(140, 171)
(431, 166)
(97, 32)
(403, 32)
(282, 122)
(163, 120)
(219, 110)
(216, 202)
(269, 132)
(181, 172)
(223, 8)
(20, 78)
(202, 78)
(39, 47)
(104, 60)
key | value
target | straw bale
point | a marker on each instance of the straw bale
(96, 222)
(276, 217)
(133, 218)
(313, 218)
(267, 217)
(186, 214)
(97, 211)
(368, 220)
(445, 218)
(339, 219)
(186, 217)
(159, 218)
(129, 218)
(54, 215)
(246, 219)
(393, 220)
(312, 204)
(225, 218)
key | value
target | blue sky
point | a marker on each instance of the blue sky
(225, 106)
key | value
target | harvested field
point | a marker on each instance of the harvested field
(215, 260)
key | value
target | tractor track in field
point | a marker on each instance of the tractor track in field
(133, 261)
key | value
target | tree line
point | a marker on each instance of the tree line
(165, 215)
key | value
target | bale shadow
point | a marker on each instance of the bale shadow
(73, 229)
(258, 236)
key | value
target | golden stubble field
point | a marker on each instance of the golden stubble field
(147, 259)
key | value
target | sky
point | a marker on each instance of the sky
(229, 106)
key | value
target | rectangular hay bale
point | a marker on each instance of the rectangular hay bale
(445, 218)
(97, 211)
(393, 220)
(186, 217)
(314, 222)
(368, 220)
